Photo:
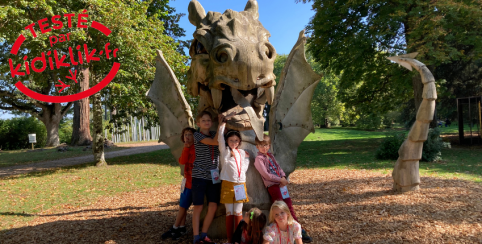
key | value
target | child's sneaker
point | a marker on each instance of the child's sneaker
(182, 230)
(177, 233)
(305, 237)
(169, 233)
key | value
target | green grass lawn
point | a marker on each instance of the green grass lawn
(25, 156)
(134, 142)
(21, 197)
(355, 149)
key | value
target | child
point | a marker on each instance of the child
(282, 228)
(250, 229)
(205, 164)
(234, 164)
(274, 177)
(186, 159)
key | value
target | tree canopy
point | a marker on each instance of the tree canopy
(136, 30)
(353, 38)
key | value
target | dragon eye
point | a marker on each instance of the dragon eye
(199, 47)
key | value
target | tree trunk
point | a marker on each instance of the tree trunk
(52, 133)
(98, 144)
(81, 124)
(51, 116)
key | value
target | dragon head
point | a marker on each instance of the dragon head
(232, 65)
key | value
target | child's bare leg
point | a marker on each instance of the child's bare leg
(196, 215)
(209, 216)
(181, 217)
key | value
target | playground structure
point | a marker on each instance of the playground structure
(469, 113)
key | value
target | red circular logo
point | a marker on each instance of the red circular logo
(60, 61)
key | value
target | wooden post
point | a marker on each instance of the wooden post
(480, 120)
(460, 114)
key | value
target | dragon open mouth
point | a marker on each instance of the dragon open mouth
(248, 106)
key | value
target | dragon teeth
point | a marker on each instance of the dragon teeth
(256, 123)
(269, 94)
(217, 96)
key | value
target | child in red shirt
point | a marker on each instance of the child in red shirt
(187, 159)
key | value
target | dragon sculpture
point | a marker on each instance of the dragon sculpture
(232, 71)
(406, 172)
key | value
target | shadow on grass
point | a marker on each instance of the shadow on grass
(161, 157)
(360, 154)
(116, 210)
(353, 153)
(339, 214)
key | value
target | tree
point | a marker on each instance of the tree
(353, 38)
(81, 121)
(170, 20)
(127, 92)
(15, 17)
(137, 36)
(325, 106)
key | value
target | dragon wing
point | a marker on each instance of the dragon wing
(173, 110)
(290, 118)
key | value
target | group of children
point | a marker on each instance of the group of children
(215, 167)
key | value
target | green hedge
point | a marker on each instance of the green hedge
(432, 147)
(14, 133)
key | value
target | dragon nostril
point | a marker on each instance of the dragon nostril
(268, 50)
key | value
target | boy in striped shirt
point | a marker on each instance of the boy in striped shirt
(207, 159)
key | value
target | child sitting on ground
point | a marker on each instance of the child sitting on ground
(274, 178)
(234, 164)
(282, 228)
(187, 159)
(250, 229)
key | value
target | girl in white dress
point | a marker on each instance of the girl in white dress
(234, 163)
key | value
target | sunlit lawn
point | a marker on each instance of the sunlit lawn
(21, 197)
(25, 156)
(355, 149)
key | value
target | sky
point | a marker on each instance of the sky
(284, 19)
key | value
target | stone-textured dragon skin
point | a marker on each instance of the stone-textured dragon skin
(232, 70)
(406, 174)
(232, 65)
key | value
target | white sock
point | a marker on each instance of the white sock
(175, 227)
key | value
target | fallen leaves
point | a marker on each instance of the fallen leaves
(335, 206)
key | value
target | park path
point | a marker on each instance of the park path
(135, 148)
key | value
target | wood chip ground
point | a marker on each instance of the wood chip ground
(335, 206)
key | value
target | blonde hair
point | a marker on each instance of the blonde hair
(266, 140)
(281, 205)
